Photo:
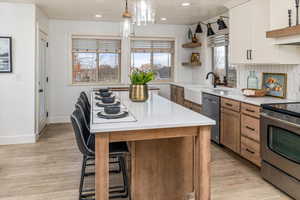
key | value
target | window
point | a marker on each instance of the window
(220, 61)
(219, 44)
(96, 60)
(154, 55)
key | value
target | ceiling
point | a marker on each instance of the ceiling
(111, 10)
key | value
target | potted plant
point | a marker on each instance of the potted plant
(138, 91)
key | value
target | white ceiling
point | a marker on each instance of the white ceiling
(111, 10)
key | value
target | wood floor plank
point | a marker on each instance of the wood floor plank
(50, 169)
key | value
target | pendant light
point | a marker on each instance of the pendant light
(199, 28)
(210, 31)
(126, 21)
(221, 23)
(144, 12)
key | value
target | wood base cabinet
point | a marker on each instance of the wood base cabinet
(177, 94)
(230, 129)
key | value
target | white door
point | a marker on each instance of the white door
(42, 82)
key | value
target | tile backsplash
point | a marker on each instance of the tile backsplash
(292, 71)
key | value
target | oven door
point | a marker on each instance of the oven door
(280, 144)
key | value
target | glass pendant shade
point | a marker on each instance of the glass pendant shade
(210, 31)
(126, 24)
(144, 12)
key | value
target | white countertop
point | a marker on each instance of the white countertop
(156, 112)
(193, 92)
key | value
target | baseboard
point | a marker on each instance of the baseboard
(24, 139)
(59, 119)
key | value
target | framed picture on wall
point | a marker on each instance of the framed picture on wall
(275, 84)
(5, 54)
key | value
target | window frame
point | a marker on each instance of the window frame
(71, 54)
(226, 59)
(173, 62)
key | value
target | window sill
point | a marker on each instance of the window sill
(118, 84)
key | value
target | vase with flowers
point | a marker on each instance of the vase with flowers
(138, 91)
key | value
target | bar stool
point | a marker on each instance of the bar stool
(85, 98)
(81, 134)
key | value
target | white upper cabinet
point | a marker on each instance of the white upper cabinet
(240, 34)
(249, 23)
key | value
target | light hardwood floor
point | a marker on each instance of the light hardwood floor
(50, 170)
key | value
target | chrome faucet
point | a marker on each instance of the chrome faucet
(215, 78)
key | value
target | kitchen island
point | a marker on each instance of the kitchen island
(169, 146)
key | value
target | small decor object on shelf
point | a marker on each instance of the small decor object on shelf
(190, 34)
(275, 84)
(5, 55)
(290, 17)
(195, 39)
(138, 91)
(195, 58)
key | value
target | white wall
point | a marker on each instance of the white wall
(62, 94)
(17, 88)
(199, 73)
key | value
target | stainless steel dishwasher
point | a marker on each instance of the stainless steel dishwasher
(211, 109)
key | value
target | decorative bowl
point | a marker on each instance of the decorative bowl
(111, 110)
(105, 94)
(103, 90)
(108, 99)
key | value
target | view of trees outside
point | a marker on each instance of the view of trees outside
(85, 67)
(109, 66)
(160, 63)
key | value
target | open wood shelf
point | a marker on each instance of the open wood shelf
(191, 45)
(284, 32)
(191, 64)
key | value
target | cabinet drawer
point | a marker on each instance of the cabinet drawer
(250, 150)
(196, 107)
(188, 104)
(231, 104)
(251, 110)
(250, 127)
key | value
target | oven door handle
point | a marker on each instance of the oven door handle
(280, 120)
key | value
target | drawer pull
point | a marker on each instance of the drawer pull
(252, 152)
(228, 104)
(252, 129)
(248, 110)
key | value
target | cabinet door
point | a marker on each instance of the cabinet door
(263, 51)
(180, 95)
(240, 33)
(231, 129)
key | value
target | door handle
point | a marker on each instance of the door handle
(252, 129)
(247, 54)
(41, 90)
(250, 51)
(252, 152)
(280, 121)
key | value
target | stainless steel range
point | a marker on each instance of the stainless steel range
(280, 146)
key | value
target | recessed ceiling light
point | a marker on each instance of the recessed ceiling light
(163, 19)
(98, 16)
(185, 4)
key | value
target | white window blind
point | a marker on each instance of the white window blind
(99, 45)
(144, 46)
(218, 40)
